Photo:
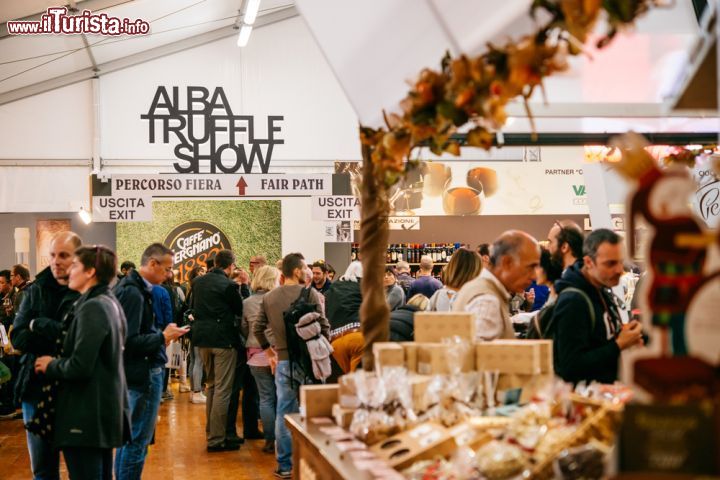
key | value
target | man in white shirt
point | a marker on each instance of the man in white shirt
(515, 255)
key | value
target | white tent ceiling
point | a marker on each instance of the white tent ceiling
(32, 64)
(376, 46)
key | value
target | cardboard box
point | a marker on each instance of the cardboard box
(546, 356)
(343, 416)
(437, 358)
(388, 354)
(419, 385)
(410, 349)
(317, 400)
(522, 357)
(436, 326)
(347, 394)
(426, 441)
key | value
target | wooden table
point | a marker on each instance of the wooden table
(315, 455)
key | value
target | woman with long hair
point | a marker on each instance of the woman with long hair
(90, 407)
(265, 279)
(464, 265)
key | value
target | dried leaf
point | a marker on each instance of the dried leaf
(480, 137)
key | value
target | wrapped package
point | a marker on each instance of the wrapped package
(385, 404)
(499, 460)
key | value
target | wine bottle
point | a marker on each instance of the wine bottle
(443, 252)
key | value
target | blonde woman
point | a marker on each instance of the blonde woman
(265, 279)
(464, 265)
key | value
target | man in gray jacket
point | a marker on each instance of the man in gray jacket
(274, 304)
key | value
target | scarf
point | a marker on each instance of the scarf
(308, 328)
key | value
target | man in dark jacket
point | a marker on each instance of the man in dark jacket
(144, 355)
(587, 344)
(320, 280)
(425, 283)
(37, 331)
(216, 331)
(20, 280)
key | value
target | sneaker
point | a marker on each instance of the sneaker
(198, 397)
(223, 447)
(269, 446)
(184, 388)
(283, 473)
(167, 395)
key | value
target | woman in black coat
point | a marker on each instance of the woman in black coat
(90, 408)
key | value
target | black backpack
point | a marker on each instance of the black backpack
(542, 325)
(298, 353)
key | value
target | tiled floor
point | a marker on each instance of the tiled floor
(178, 454)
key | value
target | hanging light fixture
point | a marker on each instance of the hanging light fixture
(85, 216)
(251, 11)
(244, 36)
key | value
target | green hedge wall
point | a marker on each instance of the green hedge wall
(252, 226)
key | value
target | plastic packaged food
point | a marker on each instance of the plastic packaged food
(586, 462)
(499, 460)
(385, 404)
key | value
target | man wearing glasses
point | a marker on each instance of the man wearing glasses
(257, 261)
(144, 355)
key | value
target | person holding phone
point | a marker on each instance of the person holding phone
(143, 356)
(590, 335)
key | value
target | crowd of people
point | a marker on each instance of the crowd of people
(82, 334)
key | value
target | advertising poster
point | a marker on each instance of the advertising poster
(194, 243)
(507, 181)
(45, 231)
(197, 230)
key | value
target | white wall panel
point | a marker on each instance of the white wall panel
(44, 189)
(52, 125)
(299, 232)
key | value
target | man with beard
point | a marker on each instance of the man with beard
(37, 331)
(565, 242)
(589, 334)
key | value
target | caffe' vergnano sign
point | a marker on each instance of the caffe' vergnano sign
(194, 243)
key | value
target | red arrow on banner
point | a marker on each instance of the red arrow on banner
(241, 184)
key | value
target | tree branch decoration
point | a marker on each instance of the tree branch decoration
(466, 90)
